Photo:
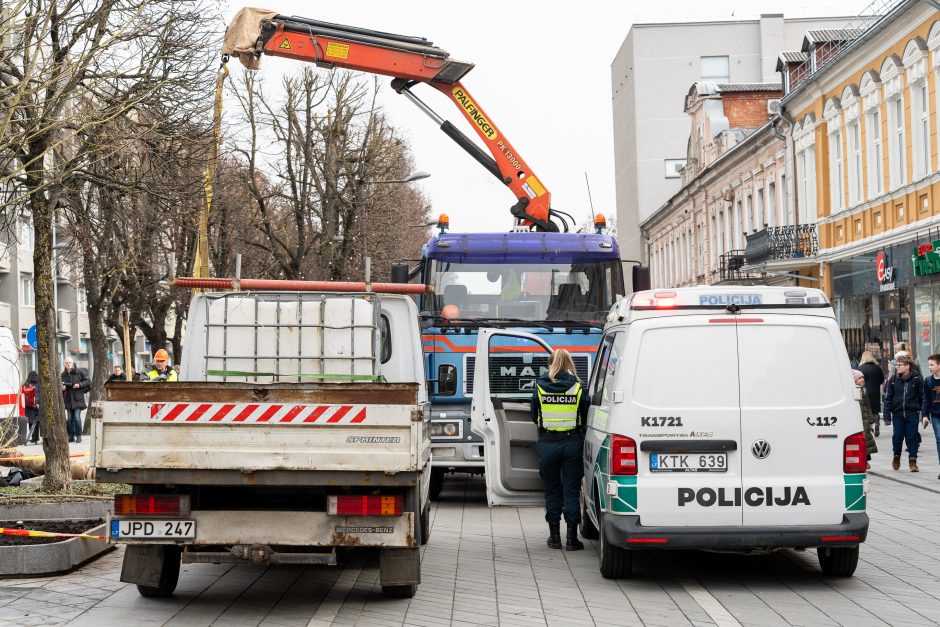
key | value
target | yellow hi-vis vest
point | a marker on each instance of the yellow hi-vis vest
(560, 409)
(155, 374)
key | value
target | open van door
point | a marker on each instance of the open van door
(503, 419)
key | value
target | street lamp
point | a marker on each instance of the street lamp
(415, 176)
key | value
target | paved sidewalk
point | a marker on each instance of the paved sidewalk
(926, 460)
(491, 567)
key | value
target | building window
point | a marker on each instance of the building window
(761, 219)
(896, 141)
(855, 164)
(713, 243)
(921, 124)
(878, 218)
(27, 236)
(82, 298)
(876, 176)
(772, 203)
(836, 171)
(700, 261)
(806, 184)
(673, 166)
(716, 70)
(27, 291)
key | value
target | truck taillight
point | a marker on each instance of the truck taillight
(854, 454)
(151, 505)
(622, 455)
(349, 505)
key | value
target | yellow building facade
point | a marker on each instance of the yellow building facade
(865, 150)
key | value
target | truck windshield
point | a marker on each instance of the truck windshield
(540, 291)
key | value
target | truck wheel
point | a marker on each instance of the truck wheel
(426, 524)
(588, 530)
(615, 562)
(400, 592)
(169, 575)
(838, 561)
(437, 482)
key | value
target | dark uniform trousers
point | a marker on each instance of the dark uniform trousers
(562, 467)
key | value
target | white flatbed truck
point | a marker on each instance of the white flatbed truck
(299, 426)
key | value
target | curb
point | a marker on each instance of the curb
(910, 483)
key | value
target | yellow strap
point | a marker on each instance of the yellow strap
(201, 265)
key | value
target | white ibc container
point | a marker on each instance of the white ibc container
(251, 331)
(348, 342)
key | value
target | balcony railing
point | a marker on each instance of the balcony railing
(730, 264)
(782, 242)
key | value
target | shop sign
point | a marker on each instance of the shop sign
(885, 272)
(926, 258)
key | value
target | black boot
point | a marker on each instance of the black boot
(573, 544)
(554, 535)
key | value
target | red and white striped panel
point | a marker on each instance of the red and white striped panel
(254, 413)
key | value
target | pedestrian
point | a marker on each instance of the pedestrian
(868, 416)
(161, 370)
(559, 408)
(904, 403)
(874, 380)
(117, 374)
(931, 409)
(31, 404)
(75, 384)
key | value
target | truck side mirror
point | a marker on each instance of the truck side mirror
(399, 273)
(446, 380)
(641, 278)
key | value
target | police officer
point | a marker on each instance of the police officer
(559, 408)
(161, 370)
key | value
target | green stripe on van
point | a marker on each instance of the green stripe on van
(854, 493)
(624, 502)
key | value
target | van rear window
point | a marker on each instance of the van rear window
(790, 366)
(687, 367)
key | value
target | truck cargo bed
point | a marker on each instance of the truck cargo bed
(249, 433)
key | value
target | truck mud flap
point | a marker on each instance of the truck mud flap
(144, 563)
(400, 567)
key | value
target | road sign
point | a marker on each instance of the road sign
(31, 338)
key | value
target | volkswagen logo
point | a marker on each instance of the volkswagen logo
(761, 449)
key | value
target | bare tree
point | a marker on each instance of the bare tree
(314, 162)
(72, 68)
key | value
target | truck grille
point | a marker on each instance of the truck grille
(510, 375)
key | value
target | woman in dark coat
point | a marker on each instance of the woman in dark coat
(75, 385)
(868, 417)
(874, 381)
(31, 403)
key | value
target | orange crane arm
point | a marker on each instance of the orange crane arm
(411, 60)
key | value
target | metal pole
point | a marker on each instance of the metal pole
(125, 322)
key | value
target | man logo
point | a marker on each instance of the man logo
(761, 449)
(526, 385)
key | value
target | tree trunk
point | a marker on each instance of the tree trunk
(58, 473)
(99, 353)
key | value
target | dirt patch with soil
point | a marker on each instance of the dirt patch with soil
(54, 526)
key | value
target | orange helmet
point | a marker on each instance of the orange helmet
(450, 312)
(161, 355)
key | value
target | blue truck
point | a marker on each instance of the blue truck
(559, 286)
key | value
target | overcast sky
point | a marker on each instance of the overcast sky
(542, 74)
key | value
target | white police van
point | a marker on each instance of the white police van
(722, 418)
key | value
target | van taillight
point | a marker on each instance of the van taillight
(151, 505)
(622, 455)
(854, 454)
(349, 505)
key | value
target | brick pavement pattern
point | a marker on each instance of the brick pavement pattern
(491, 567)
